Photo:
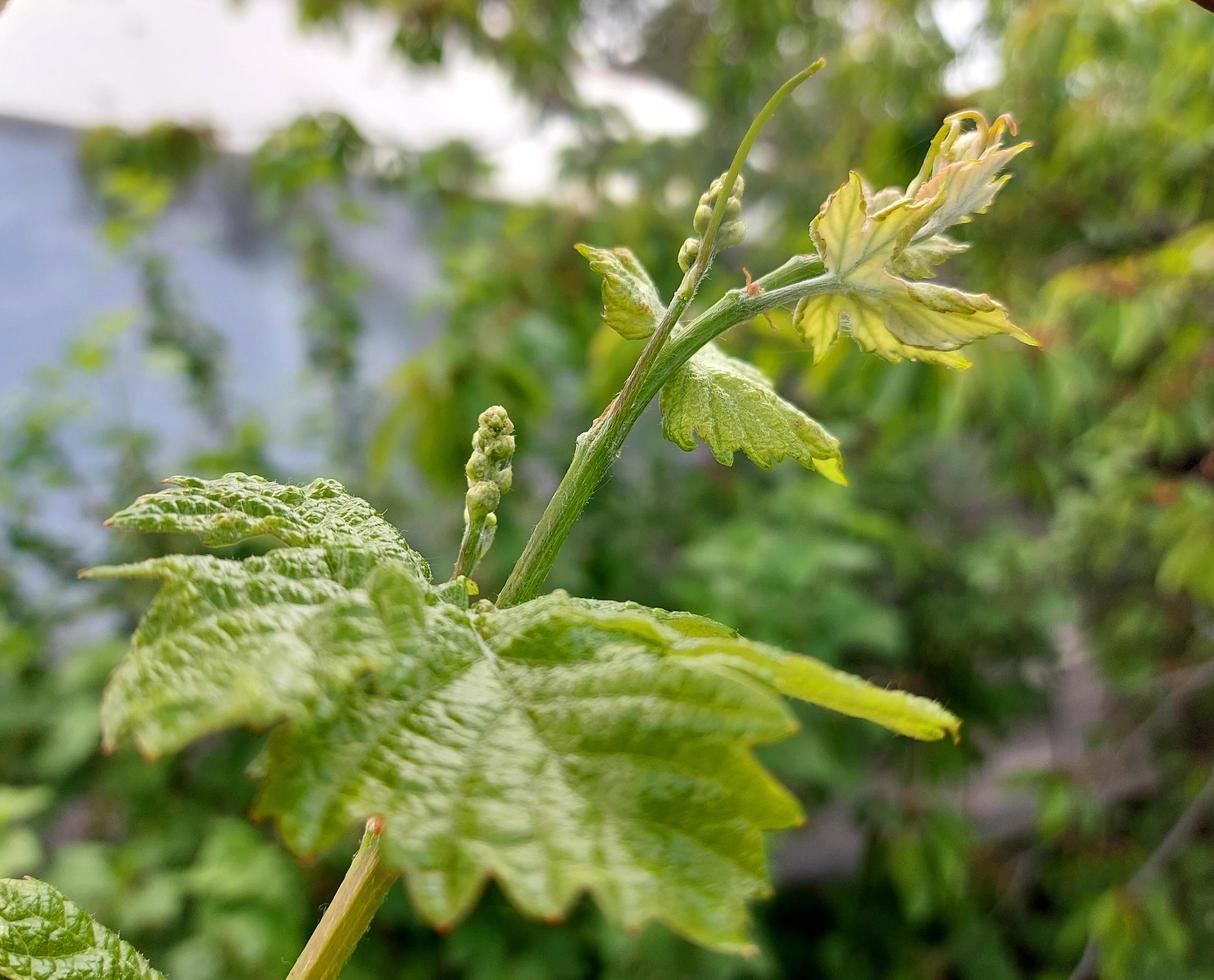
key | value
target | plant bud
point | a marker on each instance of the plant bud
(499, 449)
(495, 418)
(688, 253)
(482, 499)
(478, 468)
(731, 231)
(489, 476)
(731, 234)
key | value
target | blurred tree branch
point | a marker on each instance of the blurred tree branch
(1181, 833)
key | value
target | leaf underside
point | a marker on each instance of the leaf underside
(43, 936)
(560, 746)
(734, 407)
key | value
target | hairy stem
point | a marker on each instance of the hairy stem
(1181, 833)
(597, 448)
(361, 893)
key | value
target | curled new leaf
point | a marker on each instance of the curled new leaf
(963, 169)
(631, 304)
(734, 407)
(920, 258)
(43, 936)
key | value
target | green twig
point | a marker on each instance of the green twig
(361, 893)
(597, 448)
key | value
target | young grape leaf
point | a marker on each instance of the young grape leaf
(884, 313)
(920, 258)
(631, 304)
(560, 746)
(43, 936)
(962, 168)
(218, 630)
(733, 406)
(876, 243)
(238, 506)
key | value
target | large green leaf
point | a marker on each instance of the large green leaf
(561, 746)
(234, 642)
(238, 506)
(43, 936)
(733, 407)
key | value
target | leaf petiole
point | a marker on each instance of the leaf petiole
(359, 897)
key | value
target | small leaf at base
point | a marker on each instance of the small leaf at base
(43, 936)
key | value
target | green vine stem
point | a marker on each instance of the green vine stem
(597, 448)
(367, 882)
(361, 894)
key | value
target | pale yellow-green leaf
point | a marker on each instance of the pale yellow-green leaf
(734, 407)
(818, 683)
(920, 258)
(884, 313)
(631, 304)
(966, 175)
(857, 247)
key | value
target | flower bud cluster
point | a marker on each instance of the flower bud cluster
(732, 229)
(489, 476)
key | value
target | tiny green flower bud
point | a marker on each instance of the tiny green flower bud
(482, 499)
(495, 419)
(489, 476)
(731, 234)
(731, 230)
(499, 449)
(478, 468)
(688, 253)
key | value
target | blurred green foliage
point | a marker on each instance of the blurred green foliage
(1020, 541)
